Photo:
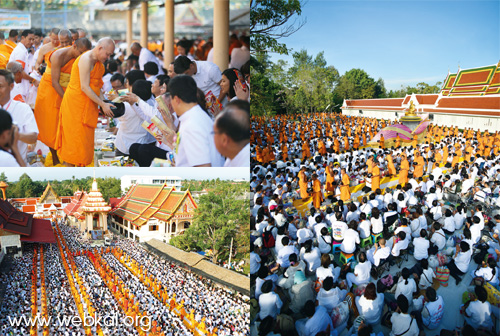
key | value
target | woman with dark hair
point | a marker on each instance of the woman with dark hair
(311, 256)
(488, 271)
(361, 273)
(370, 304)
(229, 81)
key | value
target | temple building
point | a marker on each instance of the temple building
(153, 211)
(48, 206)
(89, 212)
(469, 98)
(18, 227)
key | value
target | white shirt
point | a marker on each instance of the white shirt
(377, 225)
(130, 130)
(364, 229)
(449, 224)
(270, 305)
(371, 310)
(7, 159)
(401, 322)
(254, 262)
(146, 56)
(196, 142)
(480, 314)
(363, 271)
(407, 289)
(239, 56)
(17, 92)
(240, 160)
(107, 84)
(421, 246)
(20, 54)
(207, 77)
(462, 260)
(439, 239)
(312, 259)
(24, 118)
(284, 254)
(399, 246)
(426, 278)
(351, 238)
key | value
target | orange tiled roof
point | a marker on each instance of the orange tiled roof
(396, 102)
(483, 102)
(429, 99)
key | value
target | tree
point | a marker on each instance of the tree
(269, 21)
(356, 84)
(3, 177)
(222, 214)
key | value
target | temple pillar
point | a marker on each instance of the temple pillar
(144, 24)
(221, 34)
(129, 30)
(168, 42)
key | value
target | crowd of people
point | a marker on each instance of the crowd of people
(56, 90)
(354, 240)
(223, 312)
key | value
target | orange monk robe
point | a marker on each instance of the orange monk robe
(414, 142)
(48, 103)
(346, 143)
(403, 172)
(398, 141)
(321, 147)
(375, 177)
(11, 44)
(345, 191)
(369, 165)
(355, 144)
(445, 155)
(336, 145)
(75, 136)
(306, 152)
(330, 179)
(303, 185)
(382, 142)
(456, 158)
(284, 152)
(317, 194)
(419, 168)
(438, 159)
(390, 165)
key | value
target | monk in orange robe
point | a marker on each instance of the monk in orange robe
(75, 136)
(303, 183)
(403, 171)
(317, 194)
(345, 191)
(51, 91)
(375, 177)
(382, 142)
(419, 167)
(330, 178)
(390, 165)
(398, 141)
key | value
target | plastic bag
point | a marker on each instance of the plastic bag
(442, 259)
(442, 275)
(340, 314)
(450, 242)
(433, 261)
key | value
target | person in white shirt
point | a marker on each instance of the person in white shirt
(421, 246)
(478, 313)
(329, 296)
(112, 69)
(370, 304)
(151, 71)
(327, 269)
(17, 71)
(240, 56)
(449, 222)
(438, 237)
(195, 143)
(254, 260)
(232, 133)
(311, 256)
(364, 228)
(206, 74)
(145, 56)
(400, 245)
(402, 323)
(460, 263)
(284, 253)
(361, 274)
(378, 252)
(21, 113)
(351, 238)
(317, 320)
(488, 271)
(432, 313)
(269, 302)
(20, 54)
(286, 280)
(9, 151)
(324, 241)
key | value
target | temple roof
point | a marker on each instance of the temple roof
(481, 81)
(13, 220)
(144, 202)
(49, 195)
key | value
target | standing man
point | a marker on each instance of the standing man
(21, 114)
(48, 47)
(20, 54)
(345, 191)
(206, 74)
(145, 56)
(51, 91)
(195, 142)
(79, 107)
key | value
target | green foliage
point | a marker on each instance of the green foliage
(3, 177)
(222, 214)
(26, 187)
(269, 21)
(356, 84)
(420, 88)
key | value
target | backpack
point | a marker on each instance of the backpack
(268, 239)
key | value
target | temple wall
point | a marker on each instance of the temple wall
(492, 124)
(10, 240)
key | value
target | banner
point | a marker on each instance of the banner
(15, 21)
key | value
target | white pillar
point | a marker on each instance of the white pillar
(129, 30)
(221, 33)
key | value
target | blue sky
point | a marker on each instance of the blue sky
(41, 174)
(404, 42)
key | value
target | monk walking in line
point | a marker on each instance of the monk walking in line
(317, 193)
(51, 91)
(345, 191)
(79, 107)
(403, 172)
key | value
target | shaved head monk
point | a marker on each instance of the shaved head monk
(52, 88)
(65, 39)
(46, 48)
(79, 107)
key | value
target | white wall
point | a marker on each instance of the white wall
(10, 240)
(172, 181)
(492, 124)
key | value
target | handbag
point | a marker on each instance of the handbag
(442, 275)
